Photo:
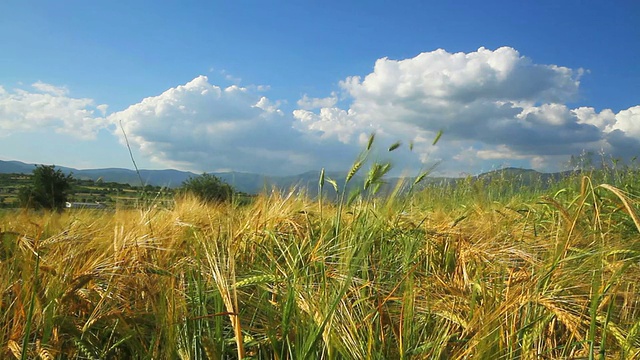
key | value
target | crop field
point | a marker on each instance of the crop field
(110, 194)
(471, 271)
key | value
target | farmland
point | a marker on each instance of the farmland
(476, 270)
(111, 194)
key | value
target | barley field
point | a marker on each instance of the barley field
(440, 273)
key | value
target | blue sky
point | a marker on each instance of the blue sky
(285, 87)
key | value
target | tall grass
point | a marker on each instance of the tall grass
(451, 273)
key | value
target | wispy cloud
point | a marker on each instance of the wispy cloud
(50, 89)
(309, 103)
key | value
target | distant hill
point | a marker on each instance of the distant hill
(170, 178)
(15, 167)
(246, 182)
(252, 183)
(523, 177)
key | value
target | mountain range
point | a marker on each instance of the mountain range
(250, 183)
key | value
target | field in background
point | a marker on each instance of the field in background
(482, 269)
(111, 194)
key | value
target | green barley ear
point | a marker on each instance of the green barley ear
(372, 175)
(321, 181)
(353, 195)
(375, 175)
(333, 183)
(354, 169)
(425, 173)
(394, 146)
(420, 178)
(255, 280)
(435, 141)
(85, 348)
(376, 187)
(371, 138)
(411, 145)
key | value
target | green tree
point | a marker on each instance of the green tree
(49, 188)
(208, 188)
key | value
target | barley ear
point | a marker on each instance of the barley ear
(625, 201)
(321, 180)
(371, 138)
(354, 169)
(435, 141)
(353, 195)
(420, 178)
(15, 349)
(333, 183)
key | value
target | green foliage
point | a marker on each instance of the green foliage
(208, 188)
(49, 189)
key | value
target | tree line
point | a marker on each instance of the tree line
(51, 189)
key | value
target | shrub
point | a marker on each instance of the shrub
(208, 188)
(49, 189)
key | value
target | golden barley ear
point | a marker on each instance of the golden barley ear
(43, 352)
(626, 202)
(15, 349)
(583, 185)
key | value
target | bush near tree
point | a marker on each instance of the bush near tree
(208, 188)
(49, 189)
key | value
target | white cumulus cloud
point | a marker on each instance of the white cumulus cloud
(498, 103)
(628, 121)
(46, 106)
(330, 123)
(204, 127)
